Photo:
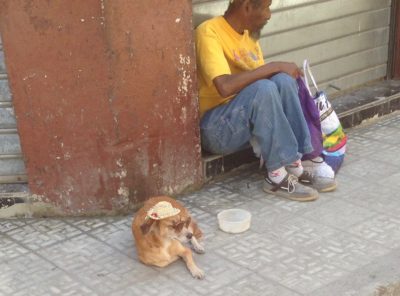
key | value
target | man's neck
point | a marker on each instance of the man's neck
(234, 21)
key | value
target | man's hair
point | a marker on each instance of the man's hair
(237, 3)
(256, 3)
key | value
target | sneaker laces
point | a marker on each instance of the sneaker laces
(291, 181)
(288, 183)
(306, 177)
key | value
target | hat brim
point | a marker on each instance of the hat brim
(157, 216)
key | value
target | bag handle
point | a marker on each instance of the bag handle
(307, 71)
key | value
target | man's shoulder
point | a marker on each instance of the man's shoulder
(210, 25)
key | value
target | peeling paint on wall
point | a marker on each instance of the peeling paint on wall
(122, 198)
(102, 17)
(183, 116)
(184, 70)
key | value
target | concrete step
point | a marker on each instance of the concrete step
(352, 107)
(6, 202)
(370, 101)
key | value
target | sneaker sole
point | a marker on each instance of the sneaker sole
(326, 189)
(288, 196)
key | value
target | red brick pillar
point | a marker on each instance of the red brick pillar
(105, 97)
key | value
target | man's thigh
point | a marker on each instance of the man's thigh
(226, 128)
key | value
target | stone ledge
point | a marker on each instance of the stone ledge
(214, 165)
(370, 101)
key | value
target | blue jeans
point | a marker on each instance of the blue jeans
(270, 111)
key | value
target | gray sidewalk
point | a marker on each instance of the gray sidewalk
(345, 243)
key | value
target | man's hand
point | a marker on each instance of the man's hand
(288, 68)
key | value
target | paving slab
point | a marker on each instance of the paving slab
(345, 243)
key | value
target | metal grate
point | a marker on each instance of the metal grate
(12, 167)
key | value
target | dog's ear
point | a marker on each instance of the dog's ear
(187, 223)
(145, 227)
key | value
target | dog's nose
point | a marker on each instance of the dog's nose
(189, 235)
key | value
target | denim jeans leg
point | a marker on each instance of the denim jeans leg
(289, 93)
(256, 111)
(226, 128)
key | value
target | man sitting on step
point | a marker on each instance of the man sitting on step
(242, 99)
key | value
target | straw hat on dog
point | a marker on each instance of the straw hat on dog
(162, 210)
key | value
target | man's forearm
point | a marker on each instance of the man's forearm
(228, 85)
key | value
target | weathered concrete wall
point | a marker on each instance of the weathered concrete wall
(104, 94)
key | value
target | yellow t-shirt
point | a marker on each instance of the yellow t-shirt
(221, 50)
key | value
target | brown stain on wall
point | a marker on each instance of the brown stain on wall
(104, 92)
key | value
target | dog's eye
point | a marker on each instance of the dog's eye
(179, 226)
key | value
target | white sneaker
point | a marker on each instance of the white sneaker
(319, 168)
(319, 175)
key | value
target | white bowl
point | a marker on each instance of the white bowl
(234, 220)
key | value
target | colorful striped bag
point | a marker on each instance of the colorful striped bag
(334, 138)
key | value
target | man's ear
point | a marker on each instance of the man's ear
(187, 223)
(145, 227)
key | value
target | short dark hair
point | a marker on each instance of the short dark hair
(256, 3)
(237, 3)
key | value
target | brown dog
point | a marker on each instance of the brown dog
(160, 240)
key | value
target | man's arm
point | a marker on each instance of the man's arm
(231, 84)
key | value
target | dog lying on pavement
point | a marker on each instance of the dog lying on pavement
(161, 228)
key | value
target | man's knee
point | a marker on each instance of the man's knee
(262, 94)
(266, 89)
(284, 80)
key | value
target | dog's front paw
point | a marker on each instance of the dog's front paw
(199, 249)
(197, 273)
(196, 246)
